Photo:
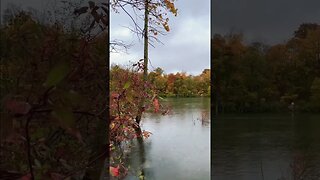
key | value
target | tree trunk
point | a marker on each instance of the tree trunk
(145, 70)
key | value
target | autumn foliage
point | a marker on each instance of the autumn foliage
(258, 77)
(126, 89)
(53, 117)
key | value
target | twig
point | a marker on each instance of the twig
(137, 27)
(261, 171)
(76, 112)
(87, 165)
(29, 146)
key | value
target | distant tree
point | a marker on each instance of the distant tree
(315, 93)
(304, 29)
(257, 77)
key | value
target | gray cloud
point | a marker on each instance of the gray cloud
(186, 47)
(273, 21)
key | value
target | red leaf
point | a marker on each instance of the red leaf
(56, 176)
(26, 177)
(14, 138)
(17, 107)
(114, 171)
(76, 133)
(115, 95)
(156, 105)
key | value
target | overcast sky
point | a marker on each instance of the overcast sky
(185, 48)
(270, 21)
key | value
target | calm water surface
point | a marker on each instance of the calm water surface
(265, 146)
(179, 147)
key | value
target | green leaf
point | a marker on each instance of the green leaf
(141, 176)
(127, 85)
(57, 74)
(37, 163)
(64, 116)
(161, 98)
(75, 133)
(7, 125)
(74, 97)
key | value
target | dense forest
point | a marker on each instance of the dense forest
(178, 84)
(261, 78)
(53, 96)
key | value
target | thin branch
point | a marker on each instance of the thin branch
(76, 112)
(138, 28)
(29, 146)
(87, 165)
(116, 43)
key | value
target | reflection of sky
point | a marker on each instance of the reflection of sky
(245, 143)
(179, 149)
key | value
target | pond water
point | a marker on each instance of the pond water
(179, 147)
(266, 146)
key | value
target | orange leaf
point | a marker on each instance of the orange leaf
(156, 105)
(166, 27)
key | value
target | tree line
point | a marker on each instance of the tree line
(178, 84)
(259, 78)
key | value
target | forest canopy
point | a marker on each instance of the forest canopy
(258, 78)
